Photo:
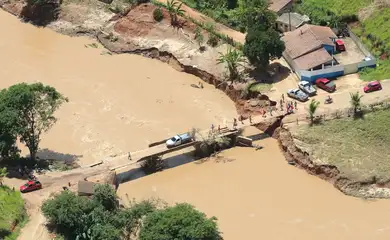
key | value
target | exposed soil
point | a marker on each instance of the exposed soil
(370, 188)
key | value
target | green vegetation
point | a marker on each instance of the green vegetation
(158, 15)
(27, 111)
(206, 26)
(313, 106)
(101, 218)
(262, 44)
(12, 213)
(355, 102)
(182, 221)
(232, 59)
(260, 87)
(174, 9)
(359, 148)
(199, 38)
(322, 12)
(153, 164)
(373, 30)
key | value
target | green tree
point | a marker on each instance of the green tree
(231, 4)
(182, 221)
(232, 58)
(312, 110)
(174, 9)
(262, 45)
(68, 212)
(3, 174)
(34, 106)
(131, 217)
(105, 195)
(355, 102)
(251, 12)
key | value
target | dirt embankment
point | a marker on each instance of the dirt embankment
(370, 188)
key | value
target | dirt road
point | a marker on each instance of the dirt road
(236, 35)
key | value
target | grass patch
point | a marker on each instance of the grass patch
(11, 212)
(378, 26)
(382, 71)
(260, 87)
(338, 7)
(359, 148)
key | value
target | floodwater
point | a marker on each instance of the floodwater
(117, 103)
(121, 103)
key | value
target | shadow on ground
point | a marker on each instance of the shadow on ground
(47, 160)
(275, 72)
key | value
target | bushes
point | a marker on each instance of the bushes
(12, 212)
(81, 218)
(213, 40)
(158, 14)
(153, 164)
(182, 221)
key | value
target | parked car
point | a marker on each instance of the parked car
(326, 84)
(31, 185)
(340, 46)
(179, 140)
(372, 86)
(297, 94)
(307, 88)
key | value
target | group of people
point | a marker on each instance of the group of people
(290, 105)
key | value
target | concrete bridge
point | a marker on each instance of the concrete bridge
(159, 148)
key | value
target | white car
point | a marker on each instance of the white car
(297, 94)
(307, 88)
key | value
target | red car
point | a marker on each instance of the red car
(372, 86)
(340, 45)
(30, 186)
(326, 84)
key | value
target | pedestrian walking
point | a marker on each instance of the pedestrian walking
(281, 105)
(212, 127)
(129, 156)
(234, 123)
(295, 105)
(242, 119)
(250, 119)
(283, 97)
(219, 128)
(270, 110)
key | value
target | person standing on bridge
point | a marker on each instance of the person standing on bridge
(296, 105)
(129, 156)
(242, 119)
(234, 123)
(250, 119)
(212, 127)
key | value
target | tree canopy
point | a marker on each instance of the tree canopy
(262, 45)
(27, 111)
(182, 221)
(98, 218)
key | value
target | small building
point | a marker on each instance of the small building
(280, 6)
(311, 48)
(291, 21)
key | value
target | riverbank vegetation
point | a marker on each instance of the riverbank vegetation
(368, 20)
(12, 213)
(101, 217)
(26, 112)
(357, 147)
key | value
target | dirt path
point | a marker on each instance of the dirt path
(236, 35)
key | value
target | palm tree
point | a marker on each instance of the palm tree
(312, 110)
(232, 58)
(174, 9)
(355, 102)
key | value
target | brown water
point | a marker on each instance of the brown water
(119, 103)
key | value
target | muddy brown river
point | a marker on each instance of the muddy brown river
(121, 103)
